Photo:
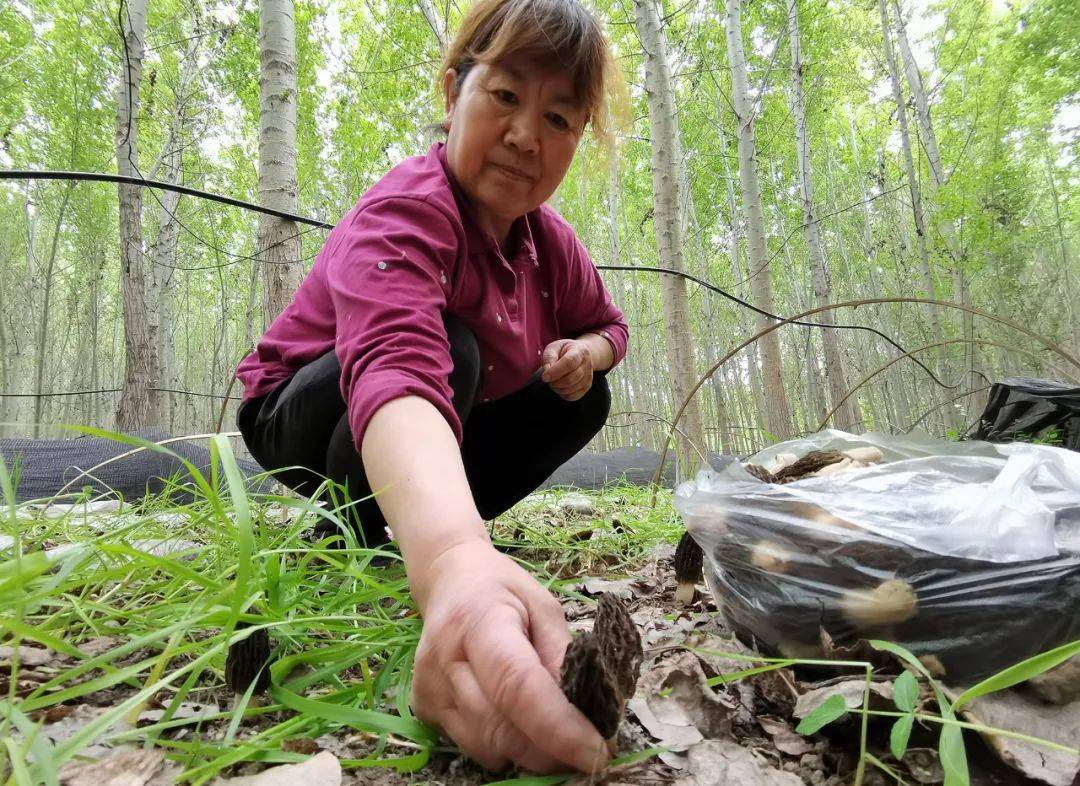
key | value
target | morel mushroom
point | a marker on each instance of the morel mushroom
(890, 603)
(248, 661)
(688, 563)
(589, 687)
(620, 643)
(808, 464)
(771, 557)
(600, 669)
(760, 473)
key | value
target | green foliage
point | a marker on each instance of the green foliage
(1001, 85)
(832, 709)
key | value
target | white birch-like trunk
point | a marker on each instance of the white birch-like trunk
(668, 222)
(278, 242)
(436, 23)
(777, 412)
(1072, 318)
(938, 176)
(916, 201)
(163, 250)
(819, 262)
(140, 406)
(42, 337)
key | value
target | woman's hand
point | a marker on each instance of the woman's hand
(487, 666)
(568, 368)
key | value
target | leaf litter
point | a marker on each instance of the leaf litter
(715, 728)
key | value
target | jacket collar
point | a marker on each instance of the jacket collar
(478, 240)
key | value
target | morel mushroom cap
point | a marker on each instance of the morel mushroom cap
(890, 603)
(760, 473)
(248, 661)
(810, 463)
(771, 557)
(620, 644)
(588, 686)
(688, 563)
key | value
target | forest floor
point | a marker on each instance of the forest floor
(116, 623)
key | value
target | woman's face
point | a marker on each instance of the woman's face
(512, 133)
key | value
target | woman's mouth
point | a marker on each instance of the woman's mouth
(513, 173)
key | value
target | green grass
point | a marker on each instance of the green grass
(345, 630)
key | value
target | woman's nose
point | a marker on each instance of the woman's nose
(523, 133)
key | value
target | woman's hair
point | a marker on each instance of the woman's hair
(561, 32)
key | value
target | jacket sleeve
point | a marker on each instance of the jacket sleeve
(389, 279)
(585, 305)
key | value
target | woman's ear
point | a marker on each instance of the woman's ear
(450, 94)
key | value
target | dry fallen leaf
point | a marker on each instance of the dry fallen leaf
(621, 588)
(74, 721)
(924, 765)
(1013, 710)
(784, 737)
(720, 762)
(187, 709)
(28, 656)
(852, 691)
(122, 768)
(1060, 685)
(320, 770)
(94, 647)
(576, 505)
(677, 707)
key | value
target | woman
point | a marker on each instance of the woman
(448, 349)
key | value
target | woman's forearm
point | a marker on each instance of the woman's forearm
(414, 467)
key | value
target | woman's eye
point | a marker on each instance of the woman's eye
(506, 96)
(559, 121)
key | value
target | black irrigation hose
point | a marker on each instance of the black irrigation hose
(30, 174)
(101, 177)
(115, 390)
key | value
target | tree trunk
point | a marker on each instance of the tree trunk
(43, 321)
(140, 406)
(916, 200)
(1072, 318)
(437, 25)
(819, 262)
(163, 251)
(278, 247)
(668, 222)
(777, 412)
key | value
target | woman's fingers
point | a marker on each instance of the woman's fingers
(490, 731)
(462, 730)
(575, 358)
(548, 631)
(513, 678)
(573, 386)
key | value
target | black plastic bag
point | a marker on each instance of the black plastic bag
(1024, 409)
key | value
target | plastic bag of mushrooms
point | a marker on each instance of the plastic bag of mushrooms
(967, 553)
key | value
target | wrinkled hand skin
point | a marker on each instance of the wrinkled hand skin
(487, 666)
(568, 368)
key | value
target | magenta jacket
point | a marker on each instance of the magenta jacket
(409, 251)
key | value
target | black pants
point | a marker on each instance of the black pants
(509, 447)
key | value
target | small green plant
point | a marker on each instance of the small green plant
(906, 695)
(951, 741)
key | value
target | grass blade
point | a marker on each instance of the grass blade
(1021, 672)
(364, 720)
